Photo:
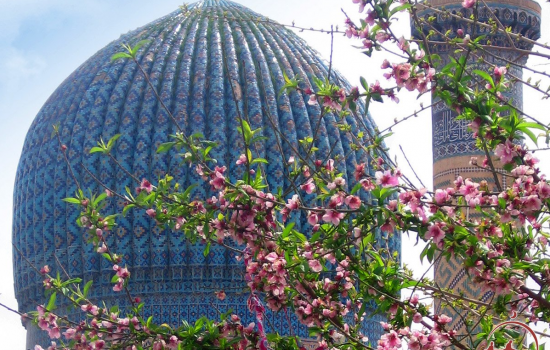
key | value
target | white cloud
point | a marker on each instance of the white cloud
(17, 67)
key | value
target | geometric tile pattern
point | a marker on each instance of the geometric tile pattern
(191, 60)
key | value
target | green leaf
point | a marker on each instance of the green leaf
(126, 208)
(165, 147)
(531, 135)
(72, 281)
(485, 76)
(100, 198)
(400, 8)
(112, 141)
(531, 125)
(87, 287)
(138, 46)
(258, 160)
(300, 236)
(377, 97)
(364, 83)
(188, 191)
(51, 302)
(97, 149)
(206, 250)
(355, 188)
(72, 200)
(247, 132)
(287, 230)
(119, 55)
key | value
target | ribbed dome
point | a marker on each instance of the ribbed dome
(191, 58)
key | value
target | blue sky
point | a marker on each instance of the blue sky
(42, 42)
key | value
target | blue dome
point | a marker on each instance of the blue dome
(191, 59)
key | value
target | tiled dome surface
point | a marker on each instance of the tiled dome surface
(191, 58)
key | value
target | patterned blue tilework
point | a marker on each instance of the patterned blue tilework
(193, 60)
(450, 136)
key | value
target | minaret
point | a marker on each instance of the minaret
(453, 145)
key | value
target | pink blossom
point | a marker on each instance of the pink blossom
(69, 333)
(392, 96)
(330, 103)
(364, 33)
(376, 88)
(151, 212)
(98, 344)
(361, 3)
(386, 179)
(441, 197)
(242, 160)
(506, 151)
(315, 265)
(359, 171)
(174, 342)
(220, 295)
(309, 186)
(54, 333)
(367, 43)
(392, 205)
(401, 72)
(333, 217)
(159, 345)
(468, 4)
(339, 181)
(500, 72)
(145, 186)
(382, 36)
(371, 16)
(330, 165)
(392, 339)
(388, 226)
(119, 285)
(353, 202)
(543, 189)
(367, 185)
(531, 203)
(530, 160)
(444, 319)
(403, 44)
(336, 200)
(436, 233)
(312, 218)
(351, 31)
(218, 180)
(293, 203)
(417, 318)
